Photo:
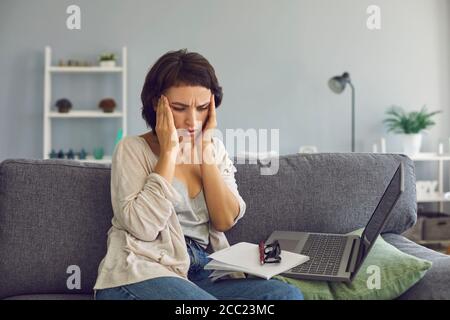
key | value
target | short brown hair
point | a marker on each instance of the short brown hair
(173, 69)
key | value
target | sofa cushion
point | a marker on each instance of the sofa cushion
(398, 272)
(53, 214)
(436, 282)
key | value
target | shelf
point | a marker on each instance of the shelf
(437, 198)
(106, 159)
(55, 69)
(85, 114)
(427, 156)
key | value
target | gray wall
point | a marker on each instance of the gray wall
(273, 59)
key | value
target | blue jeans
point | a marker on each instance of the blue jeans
(202, 288)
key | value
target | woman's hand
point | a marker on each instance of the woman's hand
(169, 145)
(208, 132)
(165, 129)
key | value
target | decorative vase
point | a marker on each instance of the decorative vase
(70, 154)
(82, 154)
(53, 154)
(63, 105)
(412, 143)
(107, 105)
(98, 153)
(108, 63)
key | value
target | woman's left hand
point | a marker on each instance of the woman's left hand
(208, 131)
(211, 123)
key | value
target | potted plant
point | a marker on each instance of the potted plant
(63, 105)
(107, 105)
(410, 126)
(98, 153)
(107, 60)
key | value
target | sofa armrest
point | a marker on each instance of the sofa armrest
(436, 282)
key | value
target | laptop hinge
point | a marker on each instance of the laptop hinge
(353, 255)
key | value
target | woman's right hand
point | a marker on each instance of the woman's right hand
(165, 128)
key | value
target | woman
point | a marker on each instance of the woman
(167, 210)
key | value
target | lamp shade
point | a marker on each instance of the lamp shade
(337, 84)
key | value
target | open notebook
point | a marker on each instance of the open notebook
(244, 257)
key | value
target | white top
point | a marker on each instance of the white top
(146, 239)
(193, 214)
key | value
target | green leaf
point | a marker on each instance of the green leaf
(412, 122)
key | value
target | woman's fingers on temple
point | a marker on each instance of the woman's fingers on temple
(212, 109)
(163, 112)
(160, 109)
(168, 112)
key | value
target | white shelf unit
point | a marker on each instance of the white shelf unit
(50, 115)
(442, 245)
(440, 158)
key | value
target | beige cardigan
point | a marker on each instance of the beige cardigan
(146, 240)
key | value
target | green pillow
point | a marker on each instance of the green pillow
(398, 272)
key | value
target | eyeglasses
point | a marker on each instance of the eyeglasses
(272, 252)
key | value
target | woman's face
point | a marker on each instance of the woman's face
(190, 107)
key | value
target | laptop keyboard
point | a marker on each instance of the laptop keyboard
(324, 252)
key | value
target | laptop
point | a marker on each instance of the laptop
(337, 257)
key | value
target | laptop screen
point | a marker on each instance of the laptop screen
(381, 213)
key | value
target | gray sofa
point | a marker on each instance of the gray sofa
(56, 213)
